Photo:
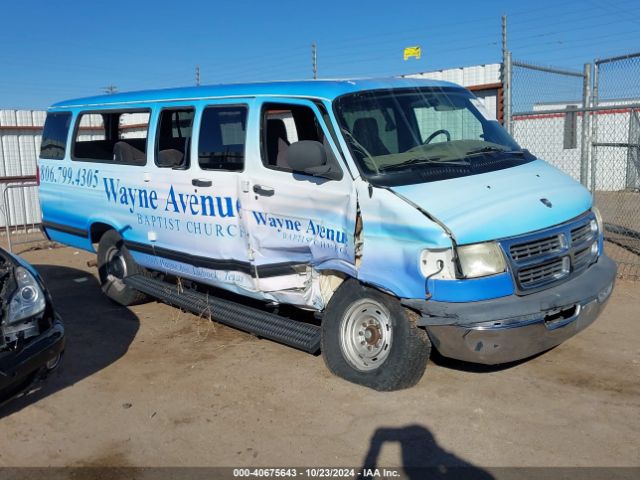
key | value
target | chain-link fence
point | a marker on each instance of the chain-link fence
(594, 138)
(548, 115)
(615, 156)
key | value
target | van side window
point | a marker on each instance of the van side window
(174, 138)
(54, 135)
(284, 124)
(112, 137)
(222, 138)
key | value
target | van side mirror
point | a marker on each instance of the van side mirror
(310, 157)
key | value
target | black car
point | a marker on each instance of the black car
(31, 333)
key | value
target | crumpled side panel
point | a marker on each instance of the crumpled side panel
(393, 235)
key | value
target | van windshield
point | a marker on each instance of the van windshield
(415, 135)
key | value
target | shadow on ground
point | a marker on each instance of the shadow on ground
(98, 331)
(478, 367)
(421, 455)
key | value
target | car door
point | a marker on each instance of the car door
(163, 242)
(217, 174)
(198, 160)
(297, 223)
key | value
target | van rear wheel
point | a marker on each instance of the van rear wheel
(114, 264)
(369, 338)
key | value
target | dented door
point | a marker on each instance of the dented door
(298, 224)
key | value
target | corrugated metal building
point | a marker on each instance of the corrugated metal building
(20, 137)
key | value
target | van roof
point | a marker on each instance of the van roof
(322, 89)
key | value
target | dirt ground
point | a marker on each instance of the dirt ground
(150, 386)
(621, 214)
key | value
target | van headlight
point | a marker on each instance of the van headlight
(28, 299)
(481, 259)
(599, 222)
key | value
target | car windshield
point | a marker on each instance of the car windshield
(398, 131)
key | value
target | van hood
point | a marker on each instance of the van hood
(502, 203)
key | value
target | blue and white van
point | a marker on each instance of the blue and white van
(398, 211)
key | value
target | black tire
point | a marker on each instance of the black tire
(408, 346)
(115, 262)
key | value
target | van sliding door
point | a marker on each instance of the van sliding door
(197, 233)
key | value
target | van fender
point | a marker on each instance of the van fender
(394, 233)
(97, 225)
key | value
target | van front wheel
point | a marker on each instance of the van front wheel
(370, 339)
(114, 263)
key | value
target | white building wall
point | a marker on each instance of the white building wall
(465, 76)
(19, 149)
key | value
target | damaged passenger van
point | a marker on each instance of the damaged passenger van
(398, 211)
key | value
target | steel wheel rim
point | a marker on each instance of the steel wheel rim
(116, 266)
(366, 334)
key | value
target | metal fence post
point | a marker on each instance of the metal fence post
(594, 127)
(507, 91)
(7, 216)
(633, 165)
(585, 144)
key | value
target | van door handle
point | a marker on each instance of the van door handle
(198, 182)
(264, 191)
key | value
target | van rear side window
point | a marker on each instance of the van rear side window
(174, 138)
(112, 137)
(54, 135)
(222, 138)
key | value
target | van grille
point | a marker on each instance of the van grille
(541, 274)
(539, 247)
(551, 256)
(582, 257)
(581, 234)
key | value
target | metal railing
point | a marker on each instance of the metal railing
(19, 207)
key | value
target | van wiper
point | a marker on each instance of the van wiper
(490, 149)
(425, 161)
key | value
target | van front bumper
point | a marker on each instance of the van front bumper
(515, 327)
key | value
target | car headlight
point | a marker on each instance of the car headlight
(481, 259)
(598, 228)
(28, 300)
